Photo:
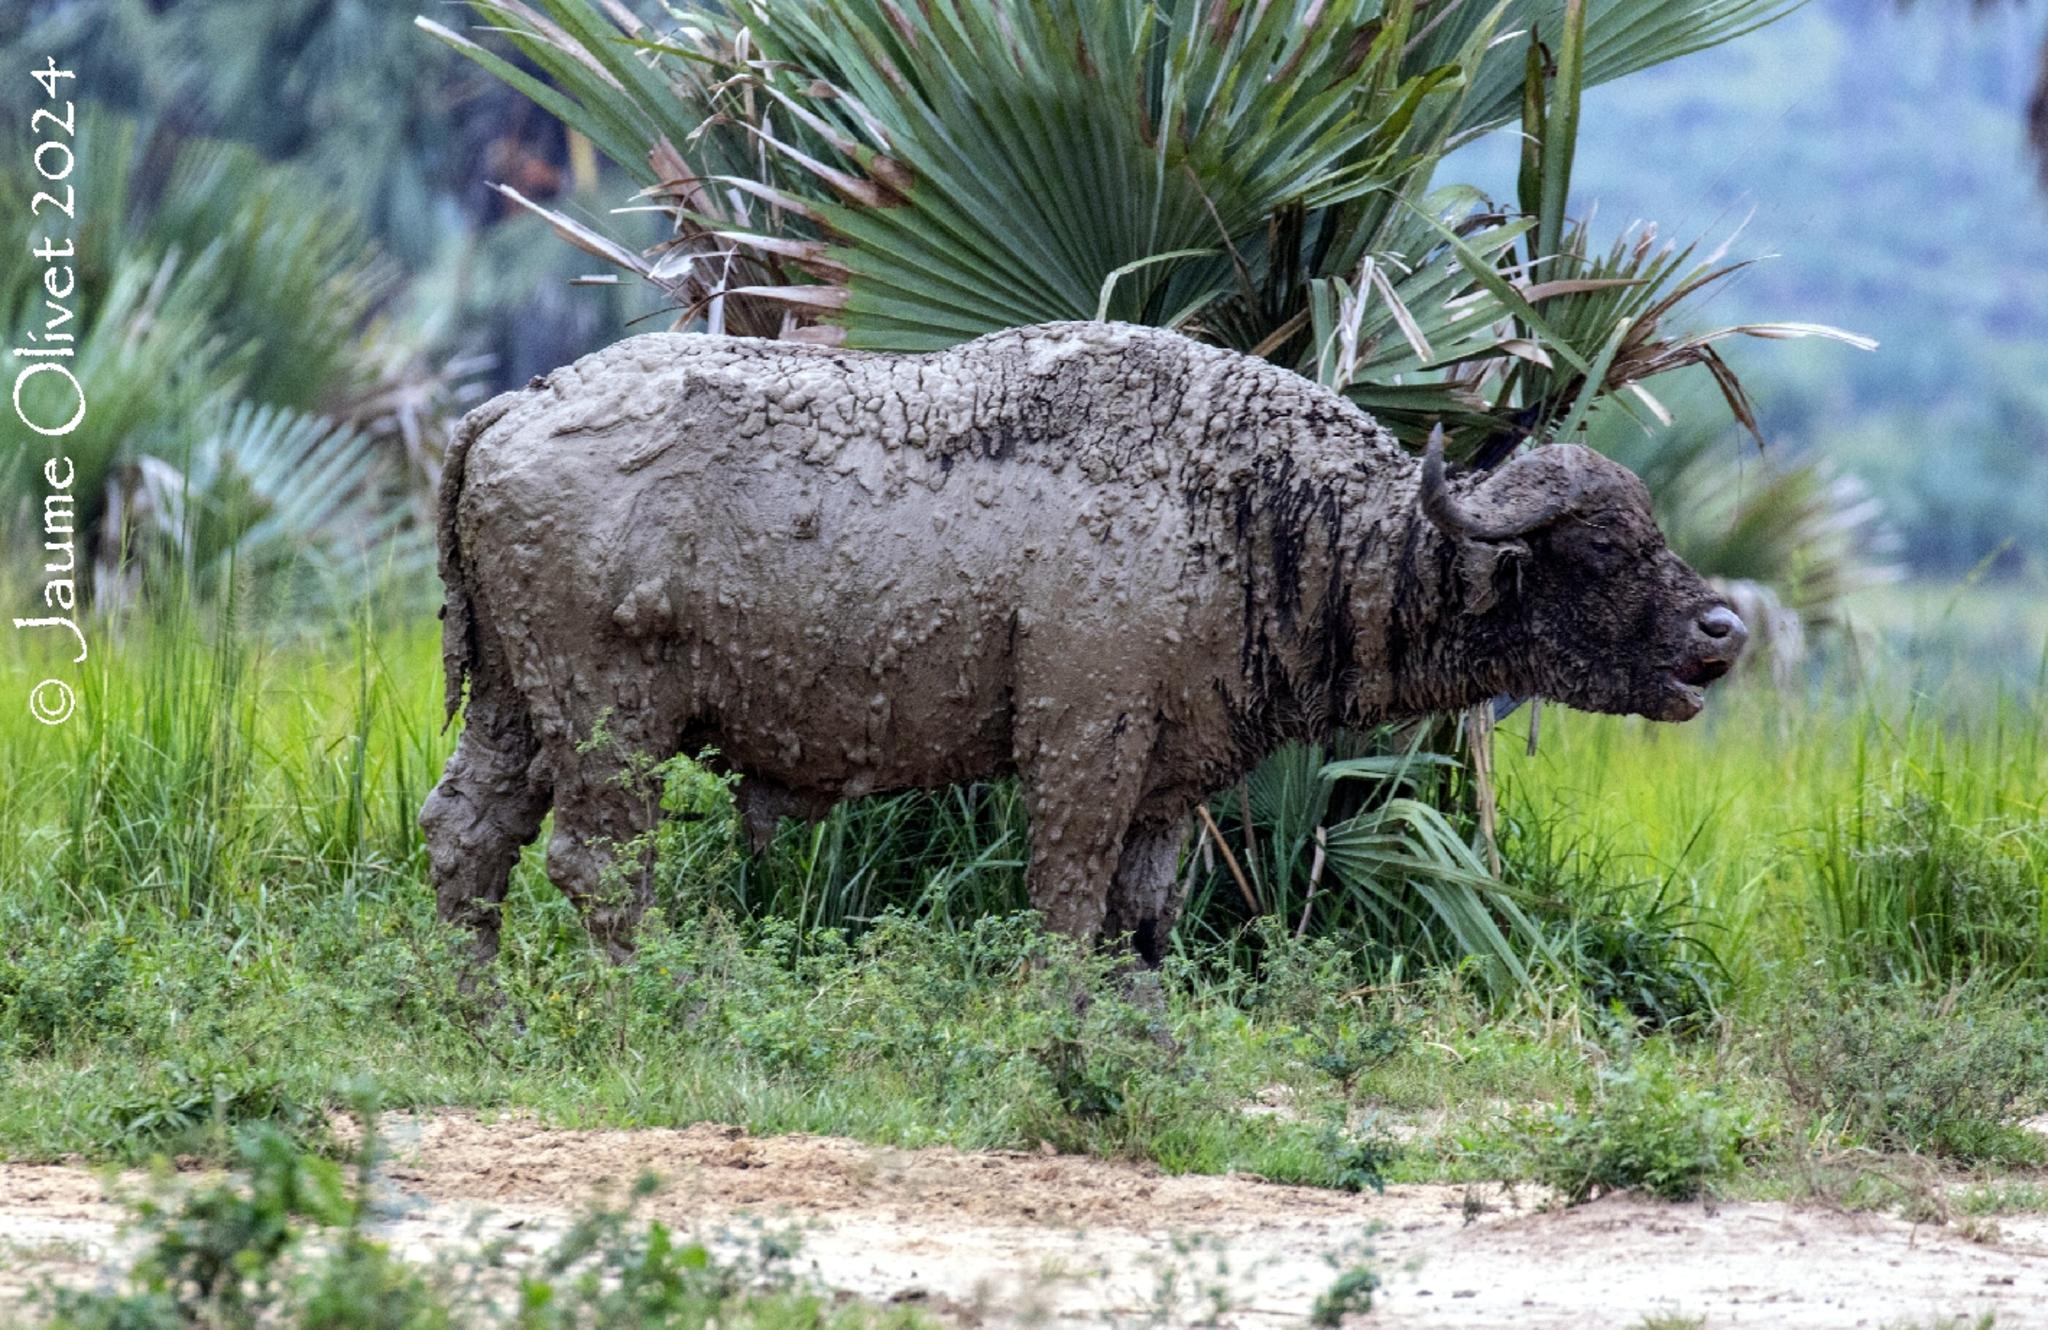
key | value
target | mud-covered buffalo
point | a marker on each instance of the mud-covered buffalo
(1119, 564)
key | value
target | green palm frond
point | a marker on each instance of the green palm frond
(290, 277)
(288, 499)
(340, 86)
(1407, 858)
(1356, 845)
(1622, 37)
(296, 276)
(928, 174)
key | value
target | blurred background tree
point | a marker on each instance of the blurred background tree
(292, 279)
(237, 396)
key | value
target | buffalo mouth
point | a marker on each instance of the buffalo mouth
(1703, 672)
(1685, 690)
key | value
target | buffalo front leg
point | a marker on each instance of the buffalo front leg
(1144, 893)
(602, 852)
(1083, 780)
(764, 803)
(487, 806)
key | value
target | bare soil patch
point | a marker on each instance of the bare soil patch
(1003, 1238)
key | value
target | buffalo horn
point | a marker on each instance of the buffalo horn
(1500, 521)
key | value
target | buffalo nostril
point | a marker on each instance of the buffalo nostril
(1723, 625)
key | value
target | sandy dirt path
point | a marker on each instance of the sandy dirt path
(1014, 1238)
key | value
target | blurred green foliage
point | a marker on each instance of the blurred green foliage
(383, 126)
(222, 312)
(1955, 1073)
(1642, 1125)
(341, 86)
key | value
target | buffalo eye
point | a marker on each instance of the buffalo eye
(1605, 554)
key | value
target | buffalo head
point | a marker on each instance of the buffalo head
(1558, 551)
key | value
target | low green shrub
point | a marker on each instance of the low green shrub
(1949, 1074)
(995, 1023)
(1642, 1126)
(1350, 1294)
(53, 996)
(217, 1257)
(1361, 1159)
(176, 1106)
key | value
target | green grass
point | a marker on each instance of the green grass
(1998, 626)
(1873, 826)
(215, 914)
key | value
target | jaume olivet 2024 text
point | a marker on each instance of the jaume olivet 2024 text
(47, 398)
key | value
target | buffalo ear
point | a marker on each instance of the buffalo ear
(1487, 567)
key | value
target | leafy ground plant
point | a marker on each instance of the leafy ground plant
(1950, 1074)
(1671, 1321)
(1350, 1294)
(1643, 1126)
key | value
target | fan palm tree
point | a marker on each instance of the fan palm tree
(1260, 175)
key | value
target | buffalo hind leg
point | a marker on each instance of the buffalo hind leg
(1144, 894)
(764, 803)
(486, 808)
